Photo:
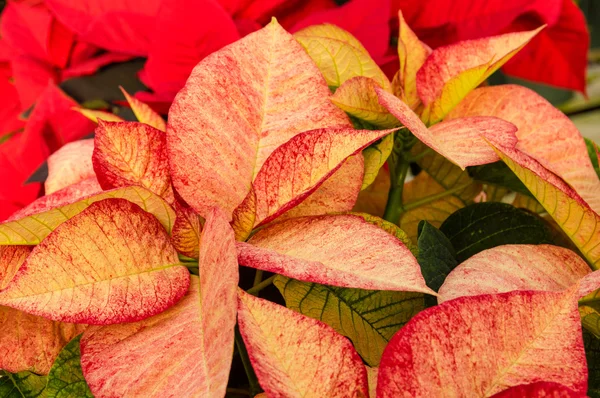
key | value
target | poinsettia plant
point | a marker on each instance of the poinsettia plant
(285, 158)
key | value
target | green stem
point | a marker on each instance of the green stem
(258, 287)
(432, 198)
(393, 207)
(258, 277)
(252, 379)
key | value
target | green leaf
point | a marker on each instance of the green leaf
(22, 385)
(367, 317)
(498, 174)
(482, 226)
(65, 379)
(436, 257)
(591, 148)
(592, 354)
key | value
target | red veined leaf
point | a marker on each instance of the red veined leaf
(31, 342)
(457, 140)
(540, 389)
(144, 113)
(298, 167)
(69, 165)
(238, 106)
(295, 356)
(130, 153)
(540, 127)
(111, 263)
(32, 224)
(451, 72)
(186, 231)
(514, 267)
(566, 207)
(11, 259)
(186, 350)
(486, 344)
(340, 250)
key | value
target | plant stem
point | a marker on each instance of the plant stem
(238, 391)
(431, 198)
(394, 208)
(252, 379)
(258, 277)
(257, 288)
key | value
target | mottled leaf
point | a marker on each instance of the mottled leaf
(69, 165)
(541, 389)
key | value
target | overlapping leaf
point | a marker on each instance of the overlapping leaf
(186, 231)
(341, 250)
(238, 106)
(110, 263)
(144, 113)
(129, 153)
(11, 259)
(21, 385)
(339, 55)
(514, 267)
(540, 389)
(544, 133)
(457, 140)
(69, 165)
(296, 356)
(33, 224)
(369, 318)
(566, 207)
(184, 351)
(451, 72)
(487, 344)
(65, 377)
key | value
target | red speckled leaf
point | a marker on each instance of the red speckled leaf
(540, 128)
(541, 389)
(144, 113)
(514, 267)
(451, 72)
(185, 351)
(301, 165)
(186, 231)
(69, 165)
(238, 106)
(297, 356)
(11, 259)
(32, 224)
(340, 250)
(111, 263)
(482, 345)
(31, 342)
(130, 153)
(412, 54)
(458, 140)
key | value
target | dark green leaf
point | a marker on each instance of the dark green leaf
(21, 385)
(65, 379)
(436, 257)
(592, 354)
(498, 174)
(482, 226)
(592, 154)
(367, 317)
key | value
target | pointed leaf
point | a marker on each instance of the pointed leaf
(369, 318)
(296, 356)
(33, 225)
(186, 231)
(186, 350)
(144, 113)
(95, 115)
(482, 226)
(457, 140)
(279, 94)
(486, 344)
(129, 153)
(437, 257)
(69, 165)
(412, 54)
(31, 342)
(357, 97)
(565, 206)
(110, 263)
(540, 126)
(514, 267)
(65, 377)
(341, 250)
(298, 167)
(451, 72)
(540, 389)
(339, 55)
(22, 385)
